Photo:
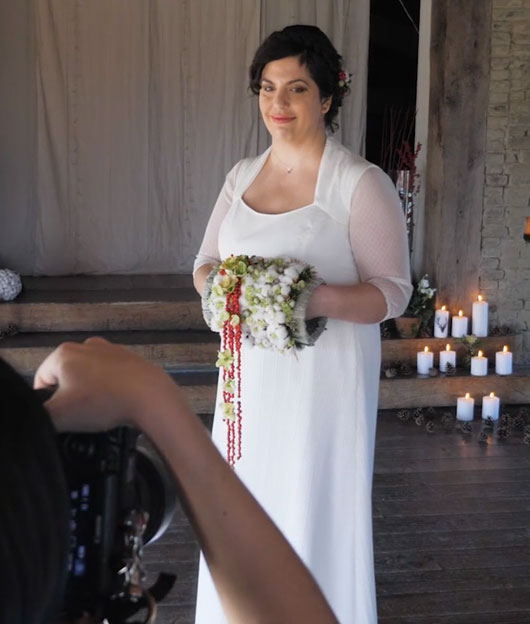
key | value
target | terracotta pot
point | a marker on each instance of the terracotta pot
(407, 327)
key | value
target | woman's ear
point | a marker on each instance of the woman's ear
(326, 104)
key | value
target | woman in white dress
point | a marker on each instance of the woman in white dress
(310, 417)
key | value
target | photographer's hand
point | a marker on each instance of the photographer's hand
(258, 576)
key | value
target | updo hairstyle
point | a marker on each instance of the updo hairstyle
(315, 51)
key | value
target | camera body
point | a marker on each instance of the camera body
(122, 497)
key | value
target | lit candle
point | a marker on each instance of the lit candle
(479, 365)
(447, 357)
(480, 317)
(424, 361)
(459, 327)
(504, 362)
(490, 406)
(441, 322)
(464, 407)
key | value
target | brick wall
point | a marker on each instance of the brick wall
(505, 262)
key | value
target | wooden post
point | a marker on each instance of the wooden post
(460, 60)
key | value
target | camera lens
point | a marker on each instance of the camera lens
(156, 489)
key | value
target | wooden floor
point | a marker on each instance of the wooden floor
(451, 528)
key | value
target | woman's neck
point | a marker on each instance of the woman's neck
(290, 156)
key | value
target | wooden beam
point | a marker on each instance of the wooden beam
(460, 58)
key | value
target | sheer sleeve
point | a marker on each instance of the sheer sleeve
(378, 239)
(209, 249)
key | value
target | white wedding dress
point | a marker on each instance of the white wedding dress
(309, 417)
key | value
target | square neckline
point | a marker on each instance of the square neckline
(261, 163)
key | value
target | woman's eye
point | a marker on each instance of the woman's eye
(267, 89)
(299, 89)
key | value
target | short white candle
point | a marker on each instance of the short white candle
(479, 365)
(504, 362)
(447, 357)
(491, 406)
(464, 407)
(441, 322)
(424, 361)
(459, 326)
(480, 317)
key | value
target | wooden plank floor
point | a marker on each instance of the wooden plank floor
(451, 528)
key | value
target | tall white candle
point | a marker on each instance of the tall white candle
(464, 407)
(479, 365)
(441, 322)
(480, 317)
(504, 362)
(491, 406)
(424, 361)
(459, 326)
(447, 357)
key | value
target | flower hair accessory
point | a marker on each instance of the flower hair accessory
(344, 83)
(260, 302)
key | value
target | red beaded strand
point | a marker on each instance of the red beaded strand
(231, 340)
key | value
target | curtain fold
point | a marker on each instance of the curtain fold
(126, 115)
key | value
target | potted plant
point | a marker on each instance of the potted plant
(419, 310)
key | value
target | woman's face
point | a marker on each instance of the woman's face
(289, 101)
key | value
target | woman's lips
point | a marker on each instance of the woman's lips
(281, 119)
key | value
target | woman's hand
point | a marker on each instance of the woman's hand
(101, 385)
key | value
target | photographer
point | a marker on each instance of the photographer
(101, 386)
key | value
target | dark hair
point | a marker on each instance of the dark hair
(34, 508)
(314, 50)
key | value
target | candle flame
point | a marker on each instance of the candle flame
(444, 308)
(448, 347)
(492, 394)
(505, 349)
(480, 354)
(460, 313)
(426, 349)
(480, 297)
(468, 396)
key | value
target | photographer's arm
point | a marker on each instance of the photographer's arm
(258, 576)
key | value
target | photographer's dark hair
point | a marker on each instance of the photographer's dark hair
(315, 51)
(34, 513)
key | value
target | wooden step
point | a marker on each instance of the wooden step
(106, 303)
(169, 349)
(190, 357)
(406, 349)
(410, 392)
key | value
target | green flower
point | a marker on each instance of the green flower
(228, 411)
(235, 320)
(229, 386)
(224, 359)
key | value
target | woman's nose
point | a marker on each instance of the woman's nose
(281, 98)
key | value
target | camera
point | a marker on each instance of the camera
(122, 498)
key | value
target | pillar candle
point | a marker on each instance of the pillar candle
(459, 326)
(424, 361)
(464, 407)
(504, 362)
(447, 357)
(491, 406)
(479, 365)
(441, 322)
(480, 317)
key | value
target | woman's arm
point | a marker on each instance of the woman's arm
(379, 244)
(258, 576)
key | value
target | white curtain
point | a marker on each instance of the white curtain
(120, 119)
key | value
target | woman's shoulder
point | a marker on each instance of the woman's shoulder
(245, 170)
(343, 172)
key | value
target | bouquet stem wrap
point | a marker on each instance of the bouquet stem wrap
(262, 302)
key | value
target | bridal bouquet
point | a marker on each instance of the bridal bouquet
(260, 302)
